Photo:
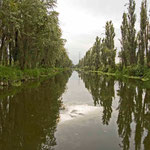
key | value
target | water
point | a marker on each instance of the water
(82, 111)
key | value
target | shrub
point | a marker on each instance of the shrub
(135, 71)
(147, 74)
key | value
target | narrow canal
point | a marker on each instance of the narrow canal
(76, 111)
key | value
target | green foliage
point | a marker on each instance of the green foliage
(132, 40)
(9, 73)
(135, 71)
(110, 34)
(31, 37)
(111, 70)
(142, 40)
(13, 75)
(146, 75)
(124, 53)
(135, 52)
(102, 55)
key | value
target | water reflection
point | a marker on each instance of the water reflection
(133, 107)
(102, 90)
(29, 115)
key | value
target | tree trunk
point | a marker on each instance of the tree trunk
(1, 48)
(16, 50)
(10, 53)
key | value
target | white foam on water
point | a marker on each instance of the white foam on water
(75, 111)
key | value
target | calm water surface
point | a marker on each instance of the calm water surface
(76, 111)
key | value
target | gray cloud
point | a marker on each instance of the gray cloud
(82, 20)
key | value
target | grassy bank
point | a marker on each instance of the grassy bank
(14, 76)
(135, 72)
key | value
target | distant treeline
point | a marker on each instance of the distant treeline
(135, 46)
(30, 35)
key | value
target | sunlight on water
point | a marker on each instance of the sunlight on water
(75, 111)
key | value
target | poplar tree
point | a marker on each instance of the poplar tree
(109, 43)
(135, 48)
(109, 35)
(142, 33)
(132, 41)
(124, 41)
(96, 50)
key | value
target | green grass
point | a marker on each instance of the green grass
(14, 76)
(134, 72)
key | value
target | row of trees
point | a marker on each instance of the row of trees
(30, 35)
(103, 52)
(135, 48)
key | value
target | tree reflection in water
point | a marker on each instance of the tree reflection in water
(29, 114)
(133, 106)
(102, 90)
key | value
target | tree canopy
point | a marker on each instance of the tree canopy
(30, 35)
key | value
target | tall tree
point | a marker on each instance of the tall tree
(132, 42)
(109, 43)
(31, 37)
(109, 35)
(96, 51)
(124, 41)
(142, 34)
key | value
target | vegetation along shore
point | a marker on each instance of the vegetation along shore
(12, 76)
(134, 54)
(31, 43)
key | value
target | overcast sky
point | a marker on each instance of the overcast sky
(82, 20)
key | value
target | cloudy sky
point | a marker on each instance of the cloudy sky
(82, 20)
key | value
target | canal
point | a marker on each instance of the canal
(76, 111)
